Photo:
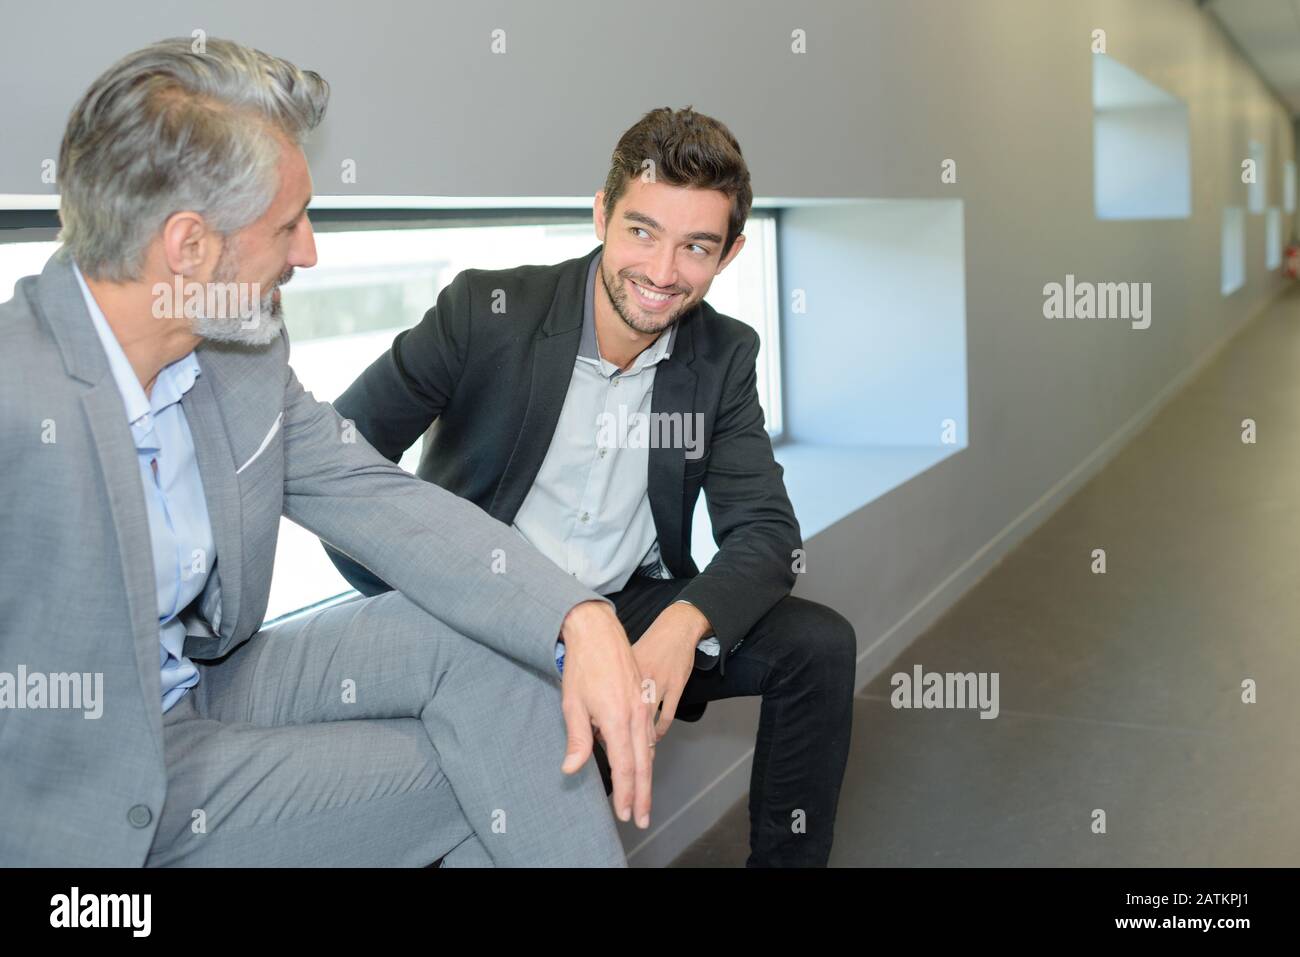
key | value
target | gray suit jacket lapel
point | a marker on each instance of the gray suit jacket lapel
(64, 311)
(220, 489)
(121, 473)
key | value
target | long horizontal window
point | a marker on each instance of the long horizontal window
(373, 280)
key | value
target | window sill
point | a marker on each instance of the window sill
(827, 483)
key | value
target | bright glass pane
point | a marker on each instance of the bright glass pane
(21, 259)
(1232, 271)
(1273, 238)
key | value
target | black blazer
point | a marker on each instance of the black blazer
(488, 388)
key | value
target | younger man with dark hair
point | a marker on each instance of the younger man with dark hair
(519, 409)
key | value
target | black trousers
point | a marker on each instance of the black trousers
(801, 658)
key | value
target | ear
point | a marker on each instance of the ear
(736, 247)
(187, 243)
(598, 215)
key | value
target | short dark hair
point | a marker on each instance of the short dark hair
(687, 149)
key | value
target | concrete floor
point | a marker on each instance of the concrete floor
(1120, 691)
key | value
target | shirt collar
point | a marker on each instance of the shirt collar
(588, 348)
(174, 380)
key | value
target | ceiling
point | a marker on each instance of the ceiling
(1268, 32)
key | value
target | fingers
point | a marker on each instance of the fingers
(642, 737)
(578, 724)
(630, 762)
(668, 713)
(603, 678)
(622, 768)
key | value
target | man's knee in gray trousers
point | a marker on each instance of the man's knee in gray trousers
(372, 734)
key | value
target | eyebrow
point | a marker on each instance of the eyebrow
(301, 212)
(645, 220)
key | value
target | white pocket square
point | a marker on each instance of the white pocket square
(275, 427)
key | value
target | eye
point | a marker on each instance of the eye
(638, 229)
(700, 250)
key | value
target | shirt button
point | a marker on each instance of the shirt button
(602, 452)
(583, 517)
(615, 383)
(139, 816)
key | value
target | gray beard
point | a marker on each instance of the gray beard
(258, 327)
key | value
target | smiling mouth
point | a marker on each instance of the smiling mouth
(651, 299)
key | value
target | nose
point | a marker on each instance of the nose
(662, 268)
(303, 250)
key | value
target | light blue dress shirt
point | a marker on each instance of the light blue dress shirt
(179, 527)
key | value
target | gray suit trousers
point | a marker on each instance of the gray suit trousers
(372, 734)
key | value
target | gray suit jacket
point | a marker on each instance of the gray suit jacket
(77, 589)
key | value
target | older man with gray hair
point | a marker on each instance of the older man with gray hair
(152, 443)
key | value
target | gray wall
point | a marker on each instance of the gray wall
(886, 91)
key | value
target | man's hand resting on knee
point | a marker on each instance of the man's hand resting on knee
(602, 687)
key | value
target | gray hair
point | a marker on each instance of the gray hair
(182, 124)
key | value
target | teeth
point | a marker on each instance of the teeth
(653, 296)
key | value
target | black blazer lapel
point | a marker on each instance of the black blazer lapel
(674, 391)
(553, 360)
(555, 349)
